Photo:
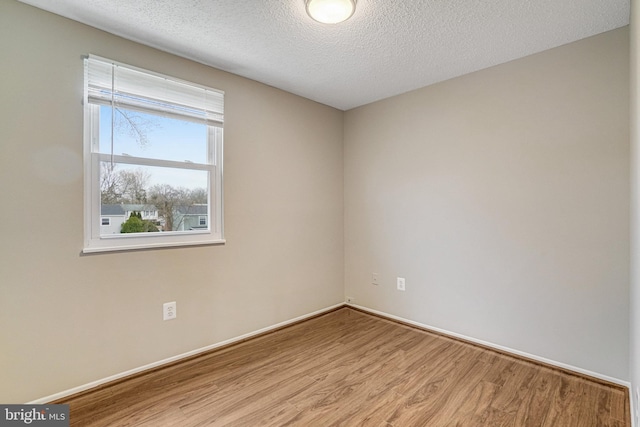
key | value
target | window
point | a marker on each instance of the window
(153, 144)
(106, 221)
(202, 220)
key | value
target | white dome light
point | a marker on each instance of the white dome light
(330, 11)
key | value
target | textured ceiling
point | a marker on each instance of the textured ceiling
(388, 47)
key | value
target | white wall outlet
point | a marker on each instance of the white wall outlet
(375, 279)
(351, 300)
(169, 311)
(400, 283)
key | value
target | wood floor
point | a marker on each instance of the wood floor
(348, 368)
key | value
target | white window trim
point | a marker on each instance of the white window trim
(94, 241)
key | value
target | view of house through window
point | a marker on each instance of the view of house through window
(166, 198)
(156, 151)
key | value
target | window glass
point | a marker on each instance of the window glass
(172, 193)
(151, 136)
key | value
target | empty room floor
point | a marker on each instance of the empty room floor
(349, 368)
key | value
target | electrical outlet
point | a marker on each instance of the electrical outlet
(400, 283)
(375, 279)
(169, 311)
(351, 300)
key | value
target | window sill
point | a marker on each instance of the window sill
(156, 245)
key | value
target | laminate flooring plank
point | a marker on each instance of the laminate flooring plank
(504, 370)
(433, 398)
(492, 417)
(460, 391)
(468, 387)
(534, 410)
(350, 385)
(562, 407)
(377, 415)
(594, 406)
(515, 388)
(619, 402)
(250, 404)
(247, 389)
(275, 416)
(475, 403)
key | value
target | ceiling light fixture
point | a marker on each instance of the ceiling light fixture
(330, 11)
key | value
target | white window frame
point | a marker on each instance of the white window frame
(97, 242)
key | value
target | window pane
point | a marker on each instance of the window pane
(155, 137)
(159, 199)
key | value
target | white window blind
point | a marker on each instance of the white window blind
(112, 83)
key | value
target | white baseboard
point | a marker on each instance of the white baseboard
(501, 348)
(159, 363)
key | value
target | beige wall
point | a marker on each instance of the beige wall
(634, 341)
(503, 198)
(67, 319)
